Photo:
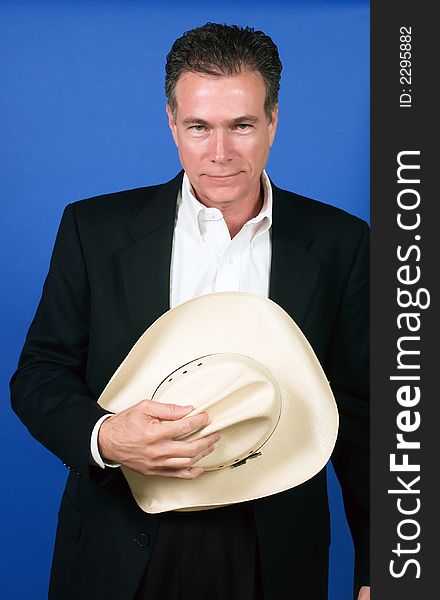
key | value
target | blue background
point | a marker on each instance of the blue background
(82, 113)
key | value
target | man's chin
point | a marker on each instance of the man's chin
(223, 196)
(219, 193)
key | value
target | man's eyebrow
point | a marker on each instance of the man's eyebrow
(243, 119)
(192, 120)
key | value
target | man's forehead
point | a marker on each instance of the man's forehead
(221, 78)
(240, 94)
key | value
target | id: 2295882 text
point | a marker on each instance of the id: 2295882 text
(405, 67)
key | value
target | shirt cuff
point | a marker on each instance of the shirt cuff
(94, 451)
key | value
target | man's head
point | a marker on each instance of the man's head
(224, 51)
(222, 86)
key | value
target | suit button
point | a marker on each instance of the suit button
(142, 540)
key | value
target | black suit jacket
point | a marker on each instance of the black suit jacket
(108, 281)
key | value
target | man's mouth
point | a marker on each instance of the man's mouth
(223, 176)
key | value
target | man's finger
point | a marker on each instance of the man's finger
(186, 426)
(364, 593)
(187, 462)
(182, 449)
(165, 412)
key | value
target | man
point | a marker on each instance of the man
(120, 261)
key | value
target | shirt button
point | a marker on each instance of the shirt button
(142, 540)
(229, 260)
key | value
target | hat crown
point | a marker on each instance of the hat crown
(241, 397)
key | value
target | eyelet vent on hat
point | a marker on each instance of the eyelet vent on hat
(240, 396)
(244, 461)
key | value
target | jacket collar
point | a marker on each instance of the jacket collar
(159, 209)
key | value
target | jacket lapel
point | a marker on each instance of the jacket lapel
(294, 268)
(145, 262)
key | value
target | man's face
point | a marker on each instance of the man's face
(222, 135)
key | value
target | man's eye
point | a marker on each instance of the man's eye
(198, 128)
(243, 126)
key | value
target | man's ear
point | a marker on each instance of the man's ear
(172, 124)
(273, 125)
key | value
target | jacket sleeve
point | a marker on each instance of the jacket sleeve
(348, 371)
(49, 391)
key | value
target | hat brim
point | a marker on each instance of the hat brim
(254, 326)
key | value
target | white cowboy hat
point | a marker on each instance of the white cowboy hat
(243, 359)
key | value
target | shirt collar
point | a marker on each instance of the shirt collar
(194, 212)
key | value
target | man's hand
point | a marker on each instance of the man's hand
(145, 436)
(364, 593)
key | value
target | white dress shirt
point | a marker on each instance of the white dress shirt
(205, 259)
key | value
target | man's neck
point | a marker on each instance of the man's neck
(236, 219)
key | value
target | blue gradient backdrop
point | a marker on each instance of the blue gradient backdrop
(82, 113)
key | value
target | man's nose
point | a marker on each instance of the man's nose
(220, 147)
